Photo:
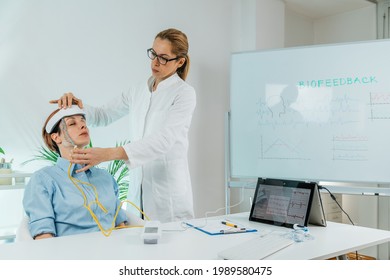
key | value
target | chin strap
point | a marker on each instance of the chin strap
(64, 129)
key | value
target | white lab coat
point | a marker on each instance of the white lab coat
(159, 125)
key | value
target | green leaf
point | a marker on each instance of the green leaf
(119, 170)
(2, 151)
(44, 154)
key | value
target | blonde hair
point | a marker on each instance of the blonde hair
(46, 136)
(180, 47)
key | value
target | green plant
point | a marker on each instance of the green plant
(117, 168)
(44, 154)
(3, 160)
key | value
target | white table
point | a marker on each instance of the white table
(190, 244)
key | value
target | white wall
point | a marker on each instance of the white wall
(299, 29)
(258, 24)
(244, 26)
(269, 24)
(356, 25)
(96, 49)
(261, 26)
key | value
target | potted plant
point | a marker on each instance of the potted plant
(5, 168)
(3, 160)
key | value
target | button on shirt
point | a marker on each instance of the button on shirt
(55, 205)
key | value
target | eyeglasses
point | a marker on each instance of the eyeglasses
(162, 60)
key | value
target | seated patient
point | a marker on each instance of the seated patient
(56, 198)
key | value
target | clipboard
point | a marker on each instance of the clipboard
(215, 227)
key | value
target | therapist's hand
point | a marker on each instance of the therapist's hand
(93, 156)
(67, 100)
(89, 156)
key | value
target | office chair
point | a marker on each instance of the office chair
(22, 231)
(134, 220)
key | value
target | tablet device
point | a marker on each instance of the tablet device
(282, 202)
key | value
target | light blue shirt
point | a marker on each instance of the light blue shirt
(55, 205)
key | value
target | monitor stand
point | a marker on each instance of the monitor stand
(317, 215)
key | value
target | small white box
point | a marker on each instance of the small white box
(151, 232)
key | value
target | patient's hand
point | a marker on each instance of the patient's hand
(43, 236)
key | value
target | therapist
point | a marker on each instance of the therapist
(160, 113)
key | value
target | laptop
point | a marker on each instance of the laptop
(287, 202)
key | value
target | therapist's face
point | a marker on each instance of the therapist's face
(163, 48)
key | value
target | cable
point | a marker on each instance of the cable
(223, 208)
(335, 200)
(231, 206)
(105, 232)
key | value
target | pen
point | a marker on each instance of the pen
(233, 231)
(229, 224)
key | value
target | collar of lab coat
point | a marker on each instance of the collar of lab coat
(164, 83)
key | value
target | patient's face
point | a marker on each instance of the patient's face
(77, 130)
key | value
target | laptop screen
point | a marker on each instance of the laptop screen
(282, 202)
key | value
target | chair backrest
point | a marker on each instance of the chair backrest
(134, 220)
(22, 232)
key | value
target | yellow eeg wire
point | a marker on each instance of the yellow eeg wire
(106, 232)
